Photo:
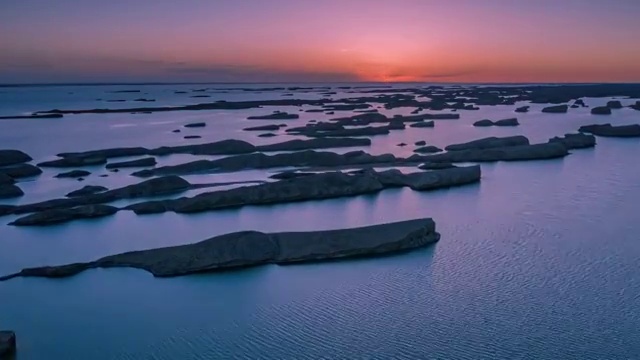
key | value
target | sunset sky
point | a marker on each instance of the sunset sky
(44, 41)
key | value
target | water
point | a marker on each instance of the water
(538, 261)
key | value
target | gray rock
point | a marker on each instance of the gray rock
(423, 124)
(87, 190)
(20, 171)
(509, 153)
(507, 122)
(320, 143)
(148, 188)
(273, 127)
(149, 161)
(483, 123)
(262, 161)
(601, 110)
(252, 248)
(7, 344)
(436, 166)
(8, 191)
(74, 174)
(489, 143)
(275, 116)
(56, 216)
(312, 187)
(607, 130)
(614, 104)
(72, 161)
(576, 141)
(6, 179)
(13, 157)
(557, 109)
(196, 125)
(427, 149)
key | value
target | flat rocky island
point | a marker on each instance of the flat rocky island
(253, 248)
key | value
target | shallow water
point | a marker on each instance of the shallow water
(538, 261)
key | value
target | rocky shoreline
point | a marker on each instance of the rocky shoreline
(253, 248)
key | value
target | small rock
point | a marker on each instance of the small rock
(558, 109)
(73, 174)
(614, 104)
(196, 125)
(402, 144)
(192, 137)
(601, 110)
(522, 109)
(421, 143)
(427, 149)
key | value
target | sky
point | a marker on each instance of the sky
(70, 41)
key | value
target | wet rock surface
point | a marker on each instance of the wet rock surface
(252, 248)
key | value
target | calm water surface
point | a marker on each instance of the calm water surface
(538, 261)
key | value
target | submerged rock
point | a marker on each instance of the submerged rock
(252, 248)
(607, 130)
(87, 190)
(8, 343)
(73, 174)
(13, 157)
(55, 216)
(601, 110)
(275, 116)
(149, 161)
(8, 191)
(576, 141)
(558, 109)
(489, 143)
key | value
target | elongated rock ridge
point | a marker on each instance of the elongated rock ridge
(253, 248)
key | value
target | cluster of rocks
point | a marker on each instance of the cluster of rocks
(252, 248)
(13, 166)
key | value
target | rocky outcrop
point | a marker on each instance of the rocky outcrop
(252, 248)
(427, 149)
(311, 187)
(320, 143)
(149, 161)
(8, 344)
(153, 187)
(74, 162)
(56, 216)
(601, 110)
(87, 190)
(489, 143)
(509, 153)
(196, 125)
(607, 130)
(614, 104)
(522, 109)
(73, 174)
(20, 171)
(13, 157)
(576, 141)
(262, 161)
(277, 115)
(423, 124)
(503, 122)
(558, 109)
(273, 127)
(8, 191)
(40, 116)
(6, 179)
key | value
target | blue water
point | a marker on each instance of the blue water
(538, 261)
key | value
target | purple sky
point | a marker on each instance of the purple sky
(313, 40)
